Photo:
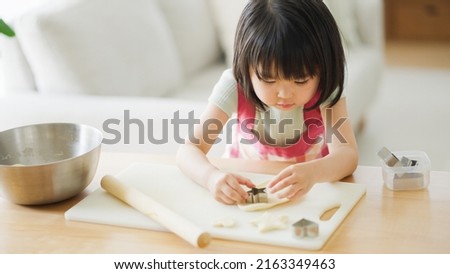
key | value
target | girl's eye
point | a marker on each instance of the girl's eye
(301, 81)
(268, 81)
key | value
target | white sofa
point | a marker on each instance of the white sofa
(130, 67)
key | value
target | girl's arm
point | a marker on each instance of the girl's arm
(342, 160)
(192, 160)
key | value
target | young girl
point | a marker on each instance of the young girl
(285, 88)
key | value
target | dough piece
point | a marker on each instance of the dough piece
(224, 222)
(268, 222)
(272, 201)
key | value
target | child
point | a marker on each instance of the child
(285, 88)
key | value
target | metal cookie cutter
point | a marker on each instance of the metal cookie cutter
(306, 228)
(413, 180)
(388, 157)
(392, 161)
(408, 162)
(257, 195)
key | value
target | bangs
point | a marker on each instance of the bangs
(283, 55)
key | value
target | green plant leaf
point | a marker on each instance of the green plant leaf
(5, 29)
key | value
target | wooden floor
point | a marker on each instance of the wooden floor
(418, 54)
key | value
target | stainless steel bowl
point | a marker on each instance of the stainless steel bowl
(47, 163)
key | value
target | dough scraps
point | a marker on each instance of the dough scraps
(268, 222)
(224, 222)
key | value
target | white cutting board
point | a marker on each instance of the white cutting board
(167, 185)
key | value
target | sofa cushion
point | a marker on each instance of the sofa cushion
(118, 48)
(200, 86)
(370, 22)
(226, 16)
(191, 25)
(365, 71)
(344, 12)
(13, 60)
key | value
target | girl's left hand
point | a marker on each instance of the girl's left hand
(292, 182)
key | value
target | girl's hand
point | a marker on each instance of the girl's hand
(226, 187)
(292, 182)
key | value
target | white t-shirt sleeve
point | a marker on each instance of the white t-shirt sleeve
(224, 94)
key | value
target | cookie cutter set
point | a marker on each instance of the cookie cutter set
(405, 170)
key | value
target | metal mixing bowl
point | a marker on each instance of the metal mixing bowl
(47, 163)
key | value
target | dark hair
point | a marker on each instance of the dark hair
(297, 38)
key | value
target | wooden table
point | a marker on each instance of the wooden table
(383, 221)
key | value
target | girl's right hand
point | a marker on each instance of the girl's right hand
(226, 187)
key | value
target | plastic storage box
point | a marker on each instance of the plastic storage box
(408, 177)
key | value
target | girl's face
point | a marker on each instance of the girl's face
(284, 94)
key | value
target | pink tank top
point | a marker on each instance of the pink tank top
(311, 144)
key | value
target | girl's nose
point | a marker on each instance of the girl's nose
(284, 93)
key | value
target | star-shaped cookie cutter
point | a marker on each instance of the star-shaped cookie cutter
(257, 195)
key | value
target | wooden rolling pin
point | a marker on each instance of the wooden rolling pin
(151, 208)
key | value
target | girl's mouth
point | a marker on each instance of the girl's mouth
(285, 106)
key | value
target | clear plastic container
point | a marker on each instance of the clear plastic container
(408, 177)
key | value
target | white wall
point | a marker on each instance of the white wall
(12, 8)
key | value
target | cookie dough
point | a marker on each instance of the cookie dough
(224, 222)
(268, 222)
